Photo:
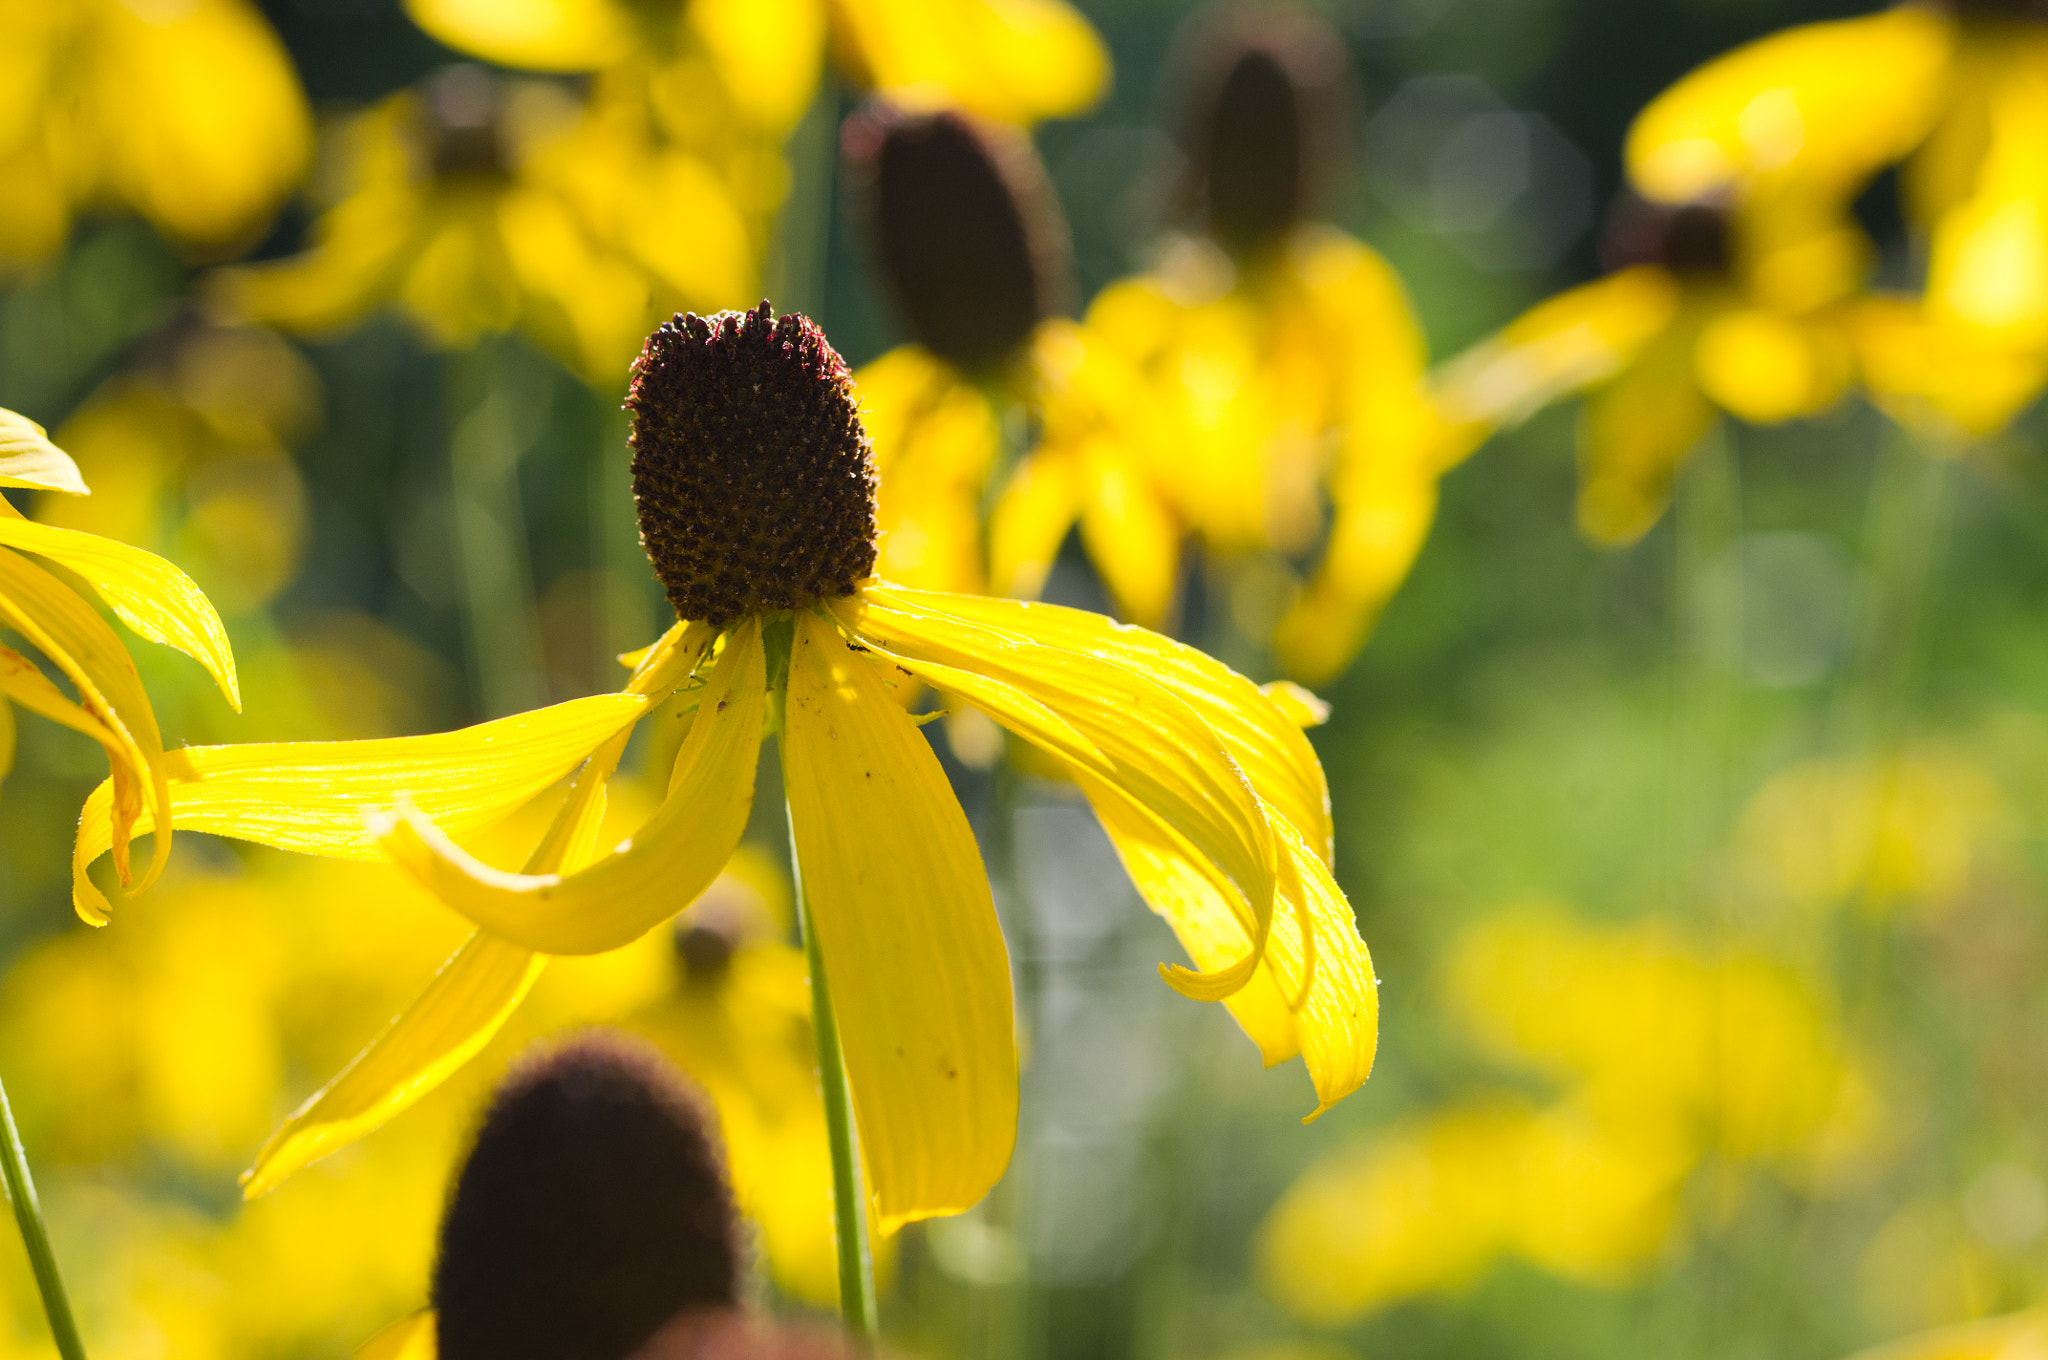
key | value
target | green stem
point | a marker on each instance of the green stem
(28, 1215)
(849, 1191)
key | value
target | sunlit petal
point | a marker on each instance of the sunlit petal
(535, 35)
(645, 880)
(310, 796)
(919, 974)
(147, 593)
(28, 458)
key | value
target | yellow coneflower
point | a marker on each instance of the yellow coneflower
(147, 593)
(757, 506)
(1268, 363)
(190, 114)
(477, 204)
(1014, 60)
(1796, 122)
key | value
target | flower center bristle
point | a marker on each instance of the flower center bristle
(754, 479)
(973, 245)
(592, 1209)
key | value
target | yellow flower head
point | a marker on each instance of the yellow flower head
(756, 501)
(188, 113)
(477, 204)
(1689, 321)
(147, 593)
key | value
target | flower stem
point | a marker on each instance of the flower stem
(849, 1190)
(28, 1215)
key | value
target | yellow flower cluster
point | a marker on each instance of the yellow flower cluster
(1662, 1052)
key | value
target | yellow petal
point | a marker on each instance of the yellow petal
(57, 623)
(767, 52)
(919, 976)
(1767, 367)
(409, 1338)
(1158, 749)
(534, 35)
(1131, 536)
(467, 1002)
(310, 796)
(1338, 1015)
(1382, 518)
(1030, 521)
(1303, 707)
(147, 593)
(28, 458)
(1013, 60)
(470, 999)
(1564, 345)
(1634, 435)
(1272, 753)
(1824, 105)
(1172, 881)
(645, 880)
(21, 681)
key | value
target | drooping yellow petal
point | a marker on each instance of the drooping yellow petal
(310, 796)
(468, 1001)
(1013, 60)
(1822, 105)
(1303, 707)
(1767, 367)
(919, 975)
(472, 996)
(533, 35)
(1271, 751)
(1338, 1014)
(1037, 507)
(1173, 884)
(1634, 435)
(646, 879)
(148, 594)
(1560, 346)
(1382, 518)
(409, 1338)
(1159, 750)
(1131, 535)
(28, 458)
(57, 623)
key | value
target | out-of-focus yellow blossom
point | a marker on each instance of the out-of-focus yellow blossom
(1795, 123)
(478, 206)
(1656, 347)
(1662, 1053)
(1013, 60)
(211, 1005)
(188, 113)
(1910, 832)
(1428, 1207)
(1264, 388)
(151, 596)
(186, 451)
(1277, 365)
(2015, 1336)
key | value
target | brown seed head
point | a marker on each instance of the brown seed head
(969, 233)
(462, 103)
(1693, 240)
(592, 1209)
(754, 479)
(1269, 99)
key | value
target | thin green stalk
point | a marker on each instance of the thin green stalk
(28, 1215)
(849, 1191)
(489, 437)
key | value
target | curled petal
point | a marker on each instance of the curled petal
(646, 879)
(28, 458)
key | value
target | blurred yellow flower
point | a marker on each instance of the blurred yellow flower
(1910, 832)
(2015, 1336)
(186, 451)
(1259, 370)
(478, 205)
(1662, 1052)
(1691, 322)
(1209, 790)
(1794, 124)
(188, 113)
(1013, 60)
(151, 596)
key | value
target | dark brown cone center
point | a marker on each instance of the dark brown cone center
(753, 478)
